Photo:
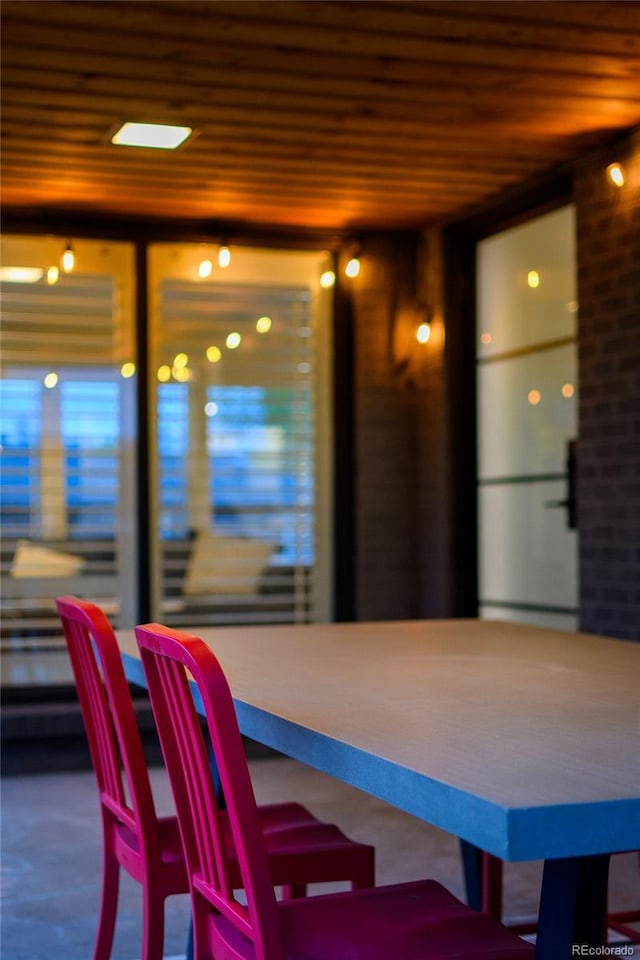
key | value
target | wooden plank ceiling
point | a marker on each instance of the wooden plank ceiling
(315, 114)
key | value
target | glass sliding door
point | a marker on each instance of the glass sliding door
(527, 390)
(240, 370)
(68, 442)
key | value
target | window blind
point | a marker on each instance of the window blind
(237, 452)
(64, 424)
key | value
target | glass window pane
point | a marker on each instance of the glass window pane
(243, 386)
(527, 284)
(528, 555)
(68, 429)
(526, 413)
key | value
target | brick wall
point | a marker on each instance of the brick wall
(385, 451)
(608, 235)
(401, 562)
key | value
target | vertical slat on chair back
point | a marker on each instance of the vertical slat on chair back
(167, 655)
(108, 714)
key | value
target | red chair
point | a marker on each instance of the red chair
(302, 849)
(411, 921)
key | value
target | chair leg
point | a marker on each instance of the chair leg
(109, 903)
(365, 876)
(152, 923)
(200, 931)
(492, 886)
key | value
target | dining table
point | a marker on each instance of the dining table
(522, 741)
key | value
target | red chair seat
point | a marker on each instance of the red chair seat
(302, 849)
(411, 921)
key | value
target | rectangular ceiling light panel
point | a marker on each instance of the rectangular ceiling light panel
(158, 135)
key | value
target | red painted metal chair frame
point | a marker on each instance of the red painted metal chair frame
(134, 837)
(414, 921)
(301, 849)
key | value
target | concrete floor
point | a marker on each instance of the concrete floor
(51, 859)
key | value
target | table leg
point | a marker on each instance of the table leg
(573, 906)
(472, 870)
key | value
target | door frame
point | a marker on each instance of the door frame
(460, 240)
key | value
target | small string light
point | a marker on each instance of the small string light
(327, 279)
(68, 258)
(224, 256)
(263, 324)
(53, 275)
(181, 374)
(205, 269)
(615, 174)
(127, 370)
(352, 268)
(423, 333)
(50, 380)
(233, 341)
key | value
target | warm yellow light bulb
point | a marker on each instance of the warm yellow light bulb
(327, 279)
(568, 390)
(352, 268)
(180, 360)
(127, 370)
(164, 373)
(181, 374)
(53, 275)
(533, 279)
(50, 380)
(534, 397)
(214, 354)
(423, 333)
(615, 174)
(224, 256)
(263, 325)
(205, 269)
(68, 259)
(233, 340)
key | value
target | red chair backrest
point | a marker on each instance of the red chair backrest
(167, 655)
(109, 717)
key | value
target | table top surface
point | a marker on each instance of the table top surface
(523, 740)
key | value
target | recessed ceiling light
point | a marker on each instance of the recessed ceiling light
(159, 135)
(21, 274)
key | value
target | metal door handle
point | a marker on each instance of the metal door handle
(569, 503)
